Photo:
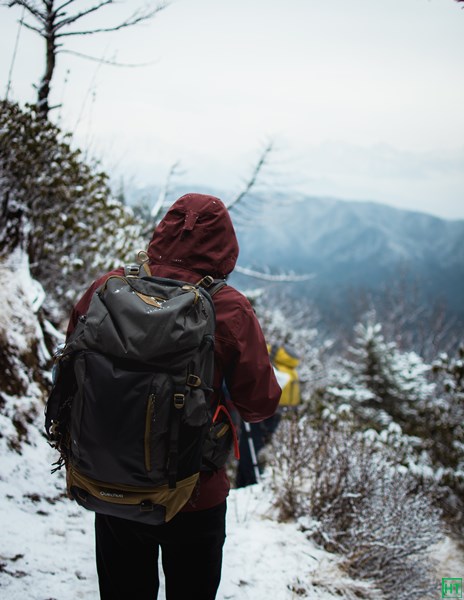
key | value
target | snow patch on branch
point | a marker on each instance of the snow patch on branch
(282, 277)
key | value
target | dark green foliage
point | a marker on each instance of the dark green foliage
(58, 208)
(444, 431)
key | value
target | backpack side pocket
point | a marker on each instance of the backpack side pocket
(220, 440)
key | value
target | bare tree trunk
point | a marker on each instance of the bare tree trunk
(50, 17)
(43, 93)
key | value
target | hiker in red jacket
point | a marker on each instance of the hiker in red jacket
(196, 238)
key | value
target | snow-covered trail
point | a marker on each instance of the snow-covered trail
(47, 541)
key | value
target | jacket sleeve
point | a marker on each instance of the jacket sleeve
(248, 373)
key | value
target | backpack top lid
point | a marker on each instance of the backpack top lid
(197, 235)
(152, 320)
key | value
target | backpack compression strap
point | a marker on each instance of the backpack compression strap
(141, 269)
(211, 285)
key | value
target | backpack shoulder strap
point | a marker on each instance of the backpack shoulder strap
(208, 283)
(211, 285)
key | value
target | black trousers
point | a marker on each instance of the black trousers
(191, 553)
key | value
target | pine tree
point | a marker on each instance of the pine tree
(444, 420)
(382, 384)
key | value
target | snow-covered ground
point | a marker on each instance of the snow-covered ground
(47, 551)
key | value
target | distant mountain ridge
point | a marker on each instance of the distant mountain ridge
(314, 229)
(349, 244)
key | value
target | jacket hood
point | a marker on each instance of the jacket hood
(196, 234)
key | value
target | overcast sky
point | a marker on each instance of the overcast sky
(364, 99)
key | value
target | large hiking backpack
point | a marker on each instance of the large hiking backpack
(129, 409)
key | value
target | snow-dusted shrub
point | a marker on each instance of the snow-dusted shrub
(442, 429)
(393, 393)
(290, 461)
(446, 414)
(390, 538)
(359, 503)
(373, 513)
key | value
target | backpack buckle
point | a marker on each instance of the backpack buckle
(131, 270)
(179, 400)
(146, 506)
(193, 381)
(53, 430)
(206, 282)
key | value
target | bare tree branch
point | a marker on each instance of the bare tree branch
(51, 20)
(31, 27)
(277, 277)
(63, 6)
(134, 19)
(31, 8)
(104, 61)
(161, 201)
(254, 176)
(73, 18)
(13, 58)
(236, 204)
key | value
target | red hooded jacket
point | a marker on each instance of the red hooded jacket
(197, 238)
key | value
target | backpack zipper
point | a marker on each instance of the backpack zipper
(148, 422)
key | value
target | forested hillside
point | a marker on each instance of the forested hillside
(374, 451)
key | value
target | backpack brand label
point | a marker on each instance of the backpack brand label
(112, 494)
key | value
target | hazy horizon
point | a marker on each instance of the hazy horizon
(363, 101)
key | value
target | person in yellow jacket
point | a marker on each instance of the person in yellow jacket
(255, 436)
(286, 361)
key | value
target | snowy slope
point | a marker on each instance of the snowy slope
(46, 543)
